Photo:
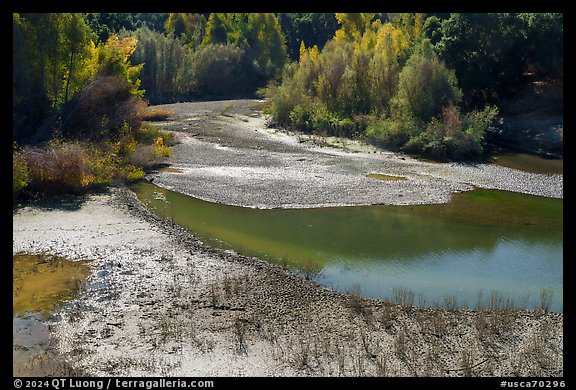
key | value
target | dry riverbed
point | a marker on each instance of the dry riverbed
(161, 302)
(226, 154)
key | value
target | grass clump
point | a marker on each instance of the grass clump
(156, 114)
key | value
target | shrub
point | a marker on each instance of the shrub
(428, 143)
(389, 132)
(100, 109)
(451, 136)
(57, 169)
(148, 134)
(321, 118)
(316, 117)
(300, 116)
(281, 99)
(106, 167)
(477, 122)
(143, 156)
(20, 172)
(63, 167)
(147, 155)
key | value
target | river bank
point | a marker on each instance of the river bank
(236, 159)
(162, 303)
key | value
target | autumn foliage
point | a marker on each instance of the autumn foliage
(382, 81)
(78, 107)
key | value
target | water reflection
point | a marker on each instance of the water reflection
(482, 239)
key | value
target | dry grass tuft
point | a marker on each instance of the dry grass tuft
(153, 113)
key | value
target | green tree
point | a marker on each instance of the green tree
(162, 57)
(30, 103)
(190, 26)
(258, 34)
(544, 43)
(488, 53)
(432, 29)
(77, 41)
(60, 43)
(237, 29)
(266, 43)
(52, 55)
(106, 24)
(216, 29)
(47, 36)
(426, 86)
(234, 76)
(312, 28)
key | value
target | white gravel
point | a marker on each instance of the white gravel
(237, 160)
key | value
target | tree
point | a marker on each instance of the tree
(216, 29)
(30, 103)
(353, 24)
(488, 53)
(234, 76)
(105, 24)
(55, 58)
(544, 43)
(312, 28)
(237, 29)
(52, 52)
(258, 34)
(77, 41)
(384, 68)
(111, 97)
(113, 59)
(190, 26)
(60, 43)
(266, 43)
(426, 86)
(162, 57)
(432, 29)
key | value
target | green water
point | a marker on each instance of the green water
(483, 240)
(384, 177)
(529, 163)
(41, 284)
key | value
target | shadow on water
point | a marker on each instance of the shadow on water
(528, 162)
(516, 160)
(482, 240)
(41, 284)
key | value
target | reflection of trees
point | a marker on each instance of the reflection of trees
(405, 232)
